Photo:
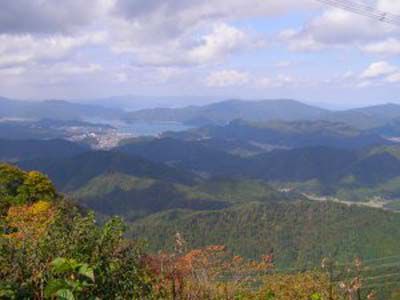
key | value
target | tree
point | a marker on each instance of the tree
(36, 186)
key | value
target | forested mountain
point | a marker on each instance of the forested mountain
(216, 113)
(257, 187)
(185, 154)
(269, 110)
(16, 150)
(300, 233)
(371, 171)
(137, 197)
(72, 173)
(279, 242)
(226, 111)
(280, 134)
(368, 117)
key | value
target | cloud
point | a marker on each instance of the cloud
(390, 46)
(337, 28)
(194, 32)
(178, 15)
(379, 73)
(25, 49)
(227, 78)
(230, 78)
(74, 69)
(392, 6)
(221, 41)
(275, 82)
(394, 78)
(49, 16)
(378, 70)
(215, 45)
(12, 71)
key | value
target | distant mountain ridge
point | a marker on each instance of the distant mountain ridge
(226, 111)
(223, 112)
(268, 110)
(54, 109)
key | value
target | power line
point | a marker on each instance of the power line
(368, 265)
(385, 284)
(364, 10)
(380, 277)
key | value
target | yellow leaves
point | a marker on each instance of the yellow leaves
(40, 207)
(297, 286)
(29, 221)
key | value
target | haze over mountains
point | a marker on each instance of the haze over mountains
(53, 109)
(214, 113)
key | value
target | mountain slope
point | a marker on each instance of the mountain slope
(299, 233)
(16, 150)
(367, 117)
(269, 110)
(280, 134)
(136, 197)
(189, 155)
(320, 170)
(226, 111)
(72, 173)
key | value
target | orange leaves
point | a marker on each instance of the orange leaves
(29, 221)
(207, 273)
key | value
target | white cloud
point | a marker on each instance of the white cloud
(227, 78)
(221, 41)
(194, 32)
(275, 82)
(392, 6)
(394, 78)
(25, 49)
(378, 70)
(13, 71)
(337, 28)
(74, 69)
(390, 46)
(174, 17)
(217, 44)
(379, 73)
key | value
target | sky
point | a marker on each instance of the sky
(249, 49)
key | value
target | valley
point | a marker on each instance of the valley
(279, 186)
(199, 150)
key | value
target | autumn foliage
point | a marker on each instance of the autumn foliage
(50, 249)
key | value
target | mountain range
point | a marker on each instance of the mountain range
(54, 109)
(268, 110)
(255, 176)
(211, 114)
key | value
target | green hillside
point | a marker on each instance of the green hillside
(275, 134)
(136, 197)
(299, 233)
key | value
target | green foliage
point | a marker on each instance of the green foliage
(19, 187)
(74, 280)
(11, 179)
(301, 233)
(36, 186)
(86, 260)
